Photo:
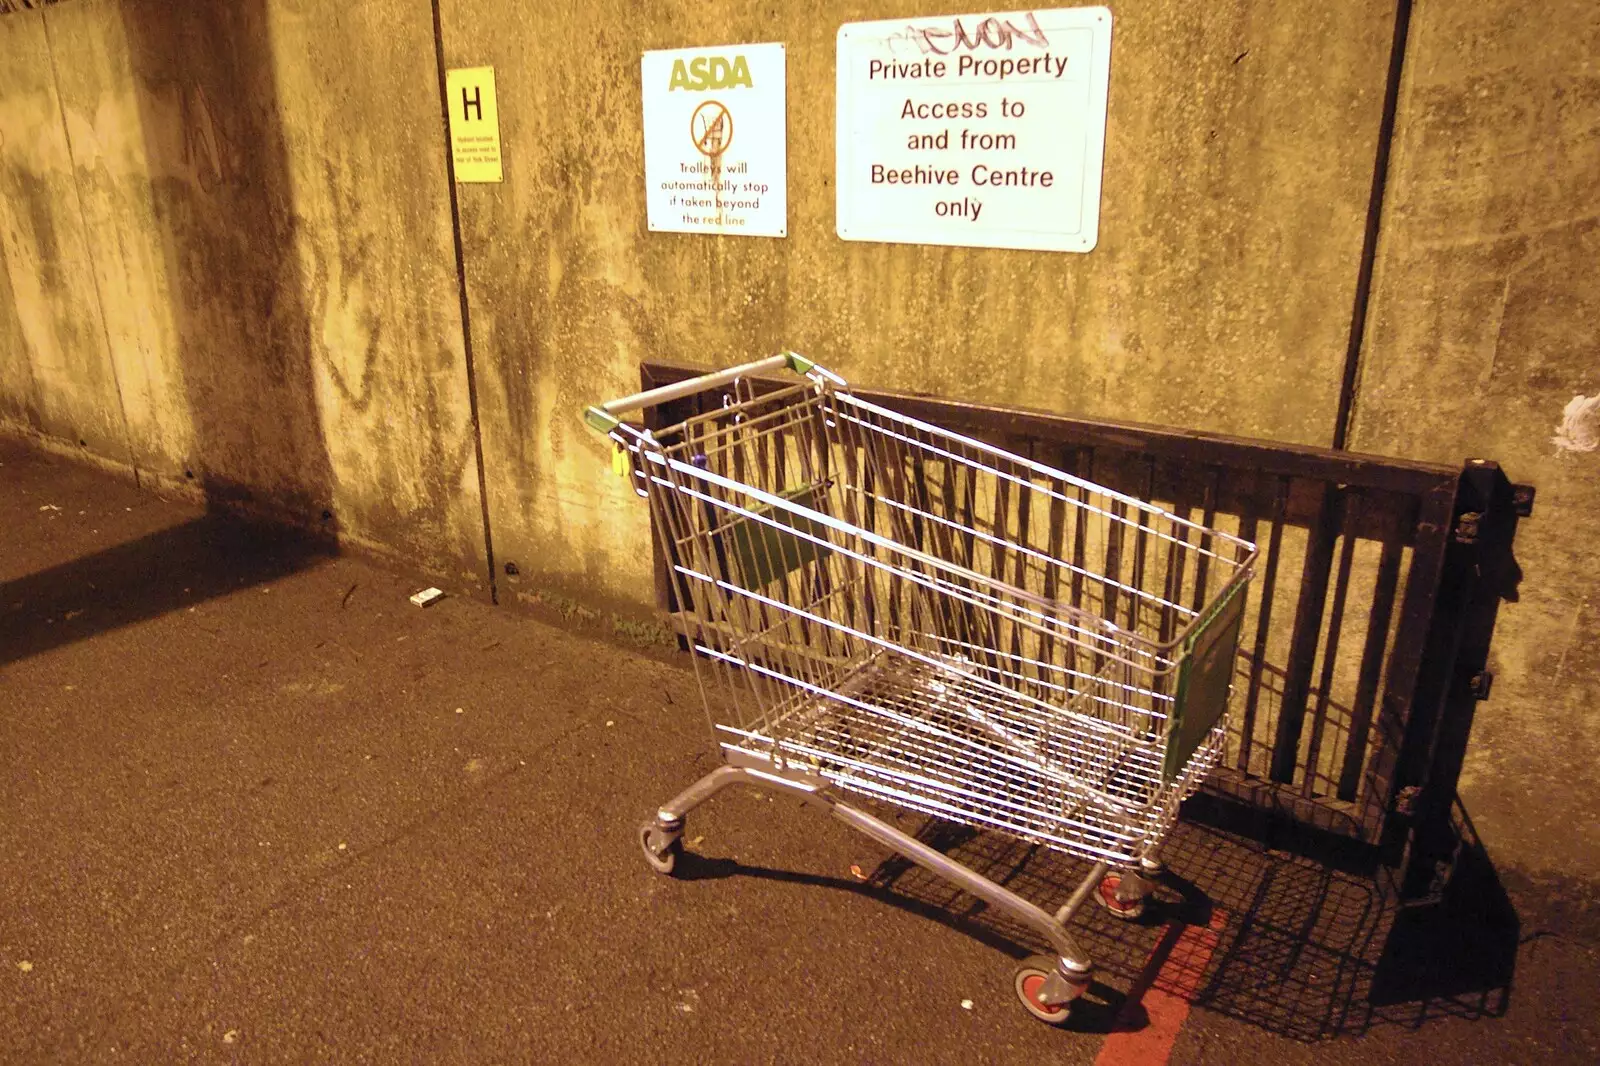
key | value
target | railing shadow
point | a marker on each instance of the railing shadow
(1455, 952)
(1310, 941)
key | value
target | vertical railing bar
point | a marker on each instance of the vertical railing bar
(1306, 635)
(1330, 646)
(1383, 596)
(1268, 579)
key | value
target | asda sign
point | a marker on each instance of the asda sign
(716, 140)
(710, 72)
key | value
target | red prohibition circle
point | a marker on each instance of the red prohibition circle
(711, 128)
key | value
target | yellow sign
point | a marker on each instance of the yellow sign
(474, 124)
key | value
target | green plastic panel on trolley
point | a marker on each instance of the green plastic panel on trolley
(1204, 680)
(756, 554)
(799, 363)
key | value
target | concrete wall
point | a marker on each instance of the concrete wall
(269, 251)
(56, 375)
(1237, 174)
(1484, 327)
(115, 184)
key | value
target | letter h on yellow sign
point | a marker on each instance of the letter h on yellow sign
(474, 124)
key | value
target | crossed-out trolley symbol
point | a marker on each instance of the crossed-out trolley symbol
(711, 128)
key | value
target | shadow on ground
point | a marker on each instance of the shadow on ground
(131, 582)
(1312, 943)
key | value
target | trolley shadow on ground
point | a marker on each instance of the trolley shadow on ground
(1311, 942)
(1095, 1013)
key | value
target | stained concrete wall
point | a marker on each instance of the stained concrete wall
(56, 375)
(1483, 327)
(269, 251)
(1237, 173)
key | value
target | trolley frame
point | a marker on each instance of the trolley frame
(884, 662)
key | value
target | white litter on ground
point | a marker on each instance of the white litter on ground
(1579, 430)
(428, 597)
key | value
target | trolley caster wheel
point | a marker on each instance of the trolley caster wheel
(1111, 891)
(660, 851)
(1032, 979)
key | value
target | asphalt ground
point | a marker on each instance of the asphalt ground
(257, 807)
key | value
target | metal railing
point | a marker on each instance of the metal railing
(1365, 646)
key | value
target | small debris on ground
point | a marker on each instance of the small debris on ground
(966, 1004)
(230, 1036)
(428, 597)
(341, 845)
(49, 507)
(695, 843)
(461, 710)
(610, 722)
(25, 966)
(857, 872)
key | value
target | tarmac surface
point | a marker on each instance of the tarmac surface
(257, 807)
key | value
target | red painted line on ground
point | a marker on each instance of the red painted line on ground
(1161, 996)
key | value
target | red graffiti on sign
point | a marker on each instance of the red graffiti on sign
(992, 32)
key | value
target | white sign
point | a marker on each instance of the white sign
(980, 130)
(716, 140)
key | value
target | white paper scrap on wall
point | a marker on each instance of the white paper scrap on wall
(1579, 430)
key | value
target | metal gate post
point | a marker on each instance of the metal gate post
(1479, 572)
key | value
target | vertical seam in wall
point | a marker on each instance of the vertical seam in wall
(88, 247)
(461, 285)
(1369, 241)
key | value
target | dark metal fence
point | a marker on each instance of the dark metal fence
(1366, 641)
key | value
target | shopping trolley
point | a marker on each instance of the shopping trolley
(883, 608)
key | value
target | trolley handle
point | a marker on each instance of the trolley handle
(604, 417)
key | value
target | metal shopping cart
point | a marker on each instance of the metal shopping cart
(883, 608)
